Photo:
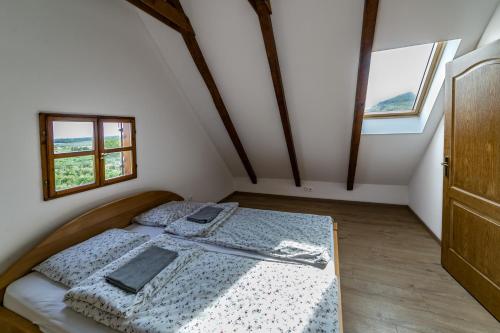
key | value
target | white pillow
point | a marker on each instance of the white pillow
(78, 262)
(165, 214)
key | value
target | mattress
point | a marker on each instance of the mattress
(40, 300)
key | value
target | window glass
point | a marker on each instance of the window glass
(118, 164)
(117, 135)
(396, 78)
(72, 172)
(73, 136)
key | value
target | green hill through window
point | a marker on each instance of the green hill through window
(403, 102)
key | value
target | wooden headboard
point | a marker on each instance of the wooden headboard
(117, 214)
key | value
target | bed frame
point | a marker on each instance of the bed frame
(117, 214)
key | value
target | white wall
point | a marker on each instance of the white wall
(392, 194)
(426, 184)
(492, 31)
(91, 57)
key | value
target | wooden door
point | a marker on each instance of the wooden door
(471, 202)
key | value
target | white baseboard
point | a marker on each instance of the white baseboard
(391, 194)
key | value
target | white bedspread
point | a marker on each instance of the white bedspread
(214, 292)
(303, 238)
(185, 228)
(96, 292)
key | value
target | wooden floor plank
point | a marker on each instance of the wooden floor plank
(391, 277)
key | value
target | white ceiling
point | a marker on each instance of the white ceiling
(318, 46)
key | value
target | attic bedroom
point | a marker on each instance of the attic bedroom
(250, 166)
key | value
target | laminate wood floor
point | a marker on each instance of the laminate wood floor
(391, 277)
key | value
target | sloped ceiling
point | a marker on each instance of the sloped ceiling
(318, 46)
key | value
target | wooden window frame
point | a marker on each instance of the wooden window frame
(430, 72)
(99, 151)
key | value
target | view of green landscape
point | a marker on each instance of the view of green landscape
(73, 171)
(403, 102)
(76, 171)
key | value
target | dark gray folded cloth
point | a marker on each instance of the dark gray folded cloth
(137, 272)
(205, 215)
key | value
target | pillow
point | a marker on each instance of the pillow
(165, 214)
(78, 262)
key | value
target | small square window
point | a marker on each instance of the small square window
(84, 152)
(400, 79)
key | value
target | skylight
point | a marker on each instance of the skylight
(399, 80)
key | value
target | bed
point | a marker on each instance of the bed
(33, 303)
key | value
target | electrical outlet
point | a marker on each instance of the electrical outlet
(307, 189)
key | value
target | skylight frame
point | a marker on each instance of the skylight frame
(430, 71)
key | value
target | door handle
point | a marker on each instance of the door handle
(446, 164)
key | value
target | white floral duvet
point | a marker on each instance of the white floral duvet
(185, 228)
(303, 238)
(213, 292)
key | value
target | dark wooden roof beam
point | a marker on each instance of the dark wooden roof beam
(172, 14)
(365, 52)
(263, 10)
(194, 49)
(164, 12)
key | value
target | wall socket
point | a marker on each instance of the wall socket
(307, 189)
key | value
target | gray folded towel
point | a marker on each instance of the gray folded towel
(205, 215)
(140, 270)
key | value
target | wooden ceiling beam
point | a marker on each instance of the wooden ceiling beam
(263, 10)
(164, 12)
(172, 14)
(200, 62)
(365, 52)
(266, 3)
